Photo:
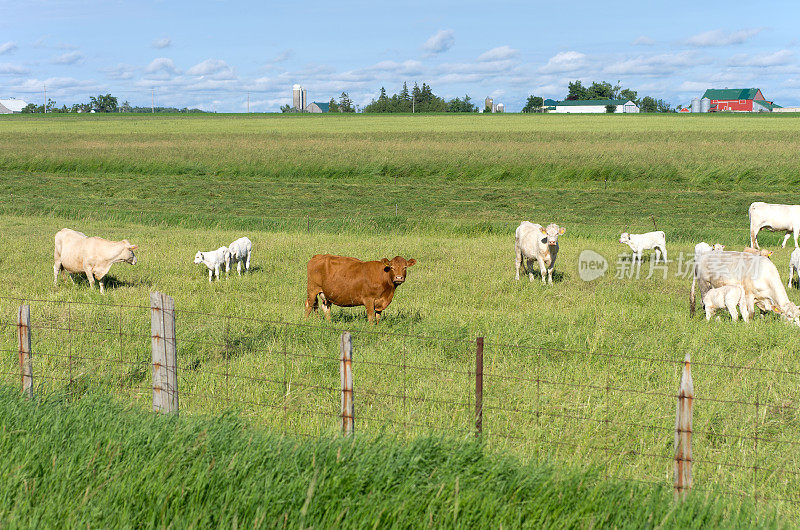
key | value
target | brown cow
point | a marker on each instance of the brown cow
(75, 252)
(350, 282)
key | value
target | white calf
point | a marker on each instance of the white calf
(213, 260)
(726, 296)
(650, 240)
(239, 252)
(702, 247)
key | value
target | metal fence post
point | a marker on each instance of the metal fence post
(683, 433)
(478, 386)
(25, 363)
(165, 365)
(346, 372)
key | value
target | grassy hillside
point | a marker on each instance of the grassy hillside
(97, 464)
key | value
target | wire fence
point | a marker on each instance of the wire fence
(583, 406)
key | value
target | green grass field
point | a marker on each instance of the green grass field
(121, 468)
(448, 191)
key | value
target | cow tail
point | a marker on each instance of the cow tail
(692, 295)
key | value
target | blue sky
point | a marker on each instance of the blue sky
(211, 54)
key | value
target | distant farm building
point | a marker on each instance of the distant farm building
(738, 100)
(299, 96)
(12, 106)
(591, 106)
(317, 107)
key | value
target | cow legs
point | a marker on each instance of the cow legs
(786, 238)
(377, 316)
(542, 269)
(550, 275)
(210, 275)
(311, 302)
(754, 236)
(518, 260)
(239, 267)
(370, 306)
(732, 310)
(216, 270)
(664, 253)
(709, 312)
(247, 263)
(796, 233)
(102, 287)
(791, 276)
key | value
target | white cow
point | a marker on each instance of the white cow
(639, 242)
(702, 247)
(213, 260)
(776, 218)
(239, 252)
(726, 296)
(94, 256)
(756, 274)
(532, 241)
(794, 265)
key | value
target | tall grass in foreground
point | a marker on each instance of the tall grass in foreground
(94, 463)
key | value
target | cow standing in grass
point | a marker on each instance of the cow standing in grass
(776, 218)
(350, 282)
(94, 256)
(533, 241)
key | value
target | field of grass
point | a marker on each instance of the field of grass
(112, 467)
(596, 364)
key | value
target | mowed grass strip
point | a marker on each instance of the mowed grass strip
(95, 463)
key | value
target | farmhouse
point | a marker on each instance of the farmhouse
(596, 106)
(12, 106)
(738, 100)
(317, 108)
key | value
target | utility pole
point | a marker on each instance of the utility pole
(45, 98)
(248, 102)
(153, 104)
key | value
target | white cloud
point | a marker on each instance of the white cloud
(7, 47)
(161, 64)
(216, 68)
(121, 71)
(12, 69)
(68, 58)
(164, 42)
(564, 62)
(643, 40)
(661, 64)
(719, 37)
(285, 55)
(778, 58)
(500, 53)
(442, 41)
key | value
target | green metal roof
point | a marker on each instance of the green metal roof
(590, 102)
(767, 104)
(731, 93)
(324, 107)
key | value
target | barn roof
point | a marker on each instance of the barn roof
(731, 93)
(13, 104)
(324, 107)
(767, 104)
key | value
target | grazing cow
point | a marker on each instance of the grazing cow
(532, 241)
(350, 282)
(761, 252)
(726, 296)
(776, 218)
(702, 247)
(756, 274)
(239, 252)
(75, 252)
(650, 240)
(794, 265)
(213, 260)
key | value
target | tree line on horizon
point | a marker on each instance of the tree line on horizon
(100, 103)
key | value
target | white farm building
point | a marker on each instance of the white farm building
(591, 106)
(11, 106)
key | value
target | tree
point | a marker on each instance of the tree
(611, 109)
(30, 108)
(648, 104)
(333, 106)
(286, 108)
(345, 103)
(576, 90)
(101, 103)
(663, 106)
(461, 105)
(628, 95)
(534, 104)
(126, 107)
(601, 90)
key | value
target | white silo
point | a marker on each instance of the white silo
(705, 105)
(298, 97)
(695, 105)
(501, 107)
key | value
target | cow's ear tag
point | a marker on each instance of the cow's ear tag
(543, 230)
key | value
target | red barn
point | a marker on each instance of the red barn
(738, 100)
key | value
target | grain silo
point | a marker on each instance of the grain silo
(695, 105)
(298, 97)
(705, 105)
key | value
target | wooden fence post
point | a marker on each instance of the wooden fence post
(346, 371)
(478, 386)
(683, 433)
(25, 363)
(165, 365)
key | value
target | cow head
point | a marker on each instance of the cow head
(625, 238)
(790, 313)
(397, 268)
(718, 246)
(127, 253)
(552, 232)
(198, 258)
